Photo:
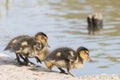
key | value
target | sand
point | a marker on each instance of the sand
(11, 70)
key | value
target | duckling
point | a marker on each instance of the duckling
(13, 42)
(39, 37)
(95, 23)
(65, 57)
(27, 47)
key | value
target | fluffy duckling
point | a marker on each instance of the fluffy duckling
(95, 23)
(27, 47)
(68, 58)
(39, 37)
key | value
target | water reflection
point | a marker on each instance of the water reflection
(7, 4)
(4, 7)
(64, 21)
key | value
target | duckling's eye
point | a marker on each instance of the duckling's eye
(86, 51)
(42, 37)
(45, 39)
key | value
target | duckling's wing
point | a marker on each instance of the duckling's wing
(67, 54)
(62, 54)
(23, 43)
(14, 41)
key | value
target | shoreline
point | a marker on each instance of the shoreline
(11, 70)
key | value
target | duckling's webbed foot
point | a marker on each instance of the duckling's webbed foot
(62, 71)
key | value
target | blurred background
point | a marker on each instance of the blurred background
(64, 21)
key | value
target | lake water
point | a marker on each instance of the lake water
(64, 21)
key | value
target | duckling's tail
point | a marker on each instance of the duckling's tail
(7, 48)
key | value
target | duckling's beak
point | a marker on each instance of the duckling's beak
(47, 45)
(90, 60)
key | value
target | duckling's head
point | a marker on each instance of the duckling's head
(40, 36)
(83, 53)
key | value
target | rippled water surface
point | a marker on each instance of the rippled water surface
(64, 21)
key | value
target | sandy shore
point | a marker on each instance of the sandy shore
(11, 70)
